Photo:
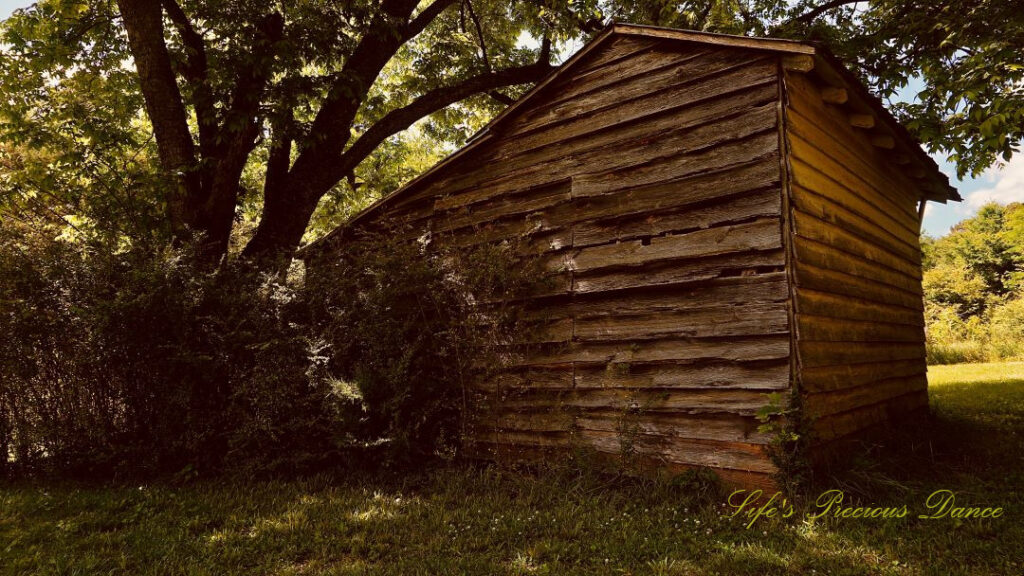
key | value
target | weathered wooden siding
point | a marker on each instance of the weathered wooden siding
(857, 270)
(650, 176)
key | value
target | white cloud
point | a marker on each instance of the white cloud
(1007, 185)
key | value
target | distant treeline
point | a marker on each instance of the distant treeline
(974, 288)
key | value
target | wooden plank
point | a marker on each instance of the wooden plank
(826, 404)
(858, 180)
(814, 354)
(808, 226)
(707, 184)
(637, 144)
(648, 400)
(828, 378)
(615, 74)
(750, 290)
(807, 177)
(733, 455)
(719, 427)
(720, 321)
(829, 128)
(832, 211)
(844, 284)
(628, 112)
(823, 328)
(747, 206)
(663, 351)
(824, 256)
(553, 378)
(748, 263)
(759, 235)
(814, 302)
(743, 144)
(618, 48)
(745, 375)
(640, 83)
(827, 430)
(771, 45)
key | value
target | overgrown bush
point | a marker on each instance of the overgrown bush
(996, 335)
(409, 326)
(128, 362)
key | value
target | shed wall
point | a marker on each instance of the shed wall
(857, 269)
(650, 177)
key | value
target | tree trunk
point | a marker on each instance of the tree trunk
(143, 20)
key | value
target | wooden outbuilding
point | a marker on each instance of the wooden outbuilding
(732, 221)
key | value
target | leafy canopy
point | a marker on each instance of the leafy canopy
(79, 151)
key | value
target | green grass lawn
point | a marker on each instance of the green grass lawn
(464, 520)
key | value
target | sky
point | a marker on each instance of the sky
(1002, 184)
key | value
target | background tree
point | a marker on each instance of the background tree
(307, 91)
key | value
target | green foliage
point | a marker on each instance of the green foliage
(781, 418)
(134, 362)
(972, 287)
(409, 326)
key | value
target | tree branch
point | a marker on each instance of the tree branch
(239, 131)
(143, 21)
(479, 35)
(810, 15)
(330, 130)
(279, 159)
(195, 73)
(430, 102)
(426, 17)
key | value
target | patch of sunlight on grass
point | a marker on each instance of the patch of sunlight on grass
(968, 373)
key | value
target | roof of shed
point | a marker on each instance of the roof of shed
(826, 67)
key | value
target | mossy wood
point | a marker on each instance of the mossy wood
(722, 218)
